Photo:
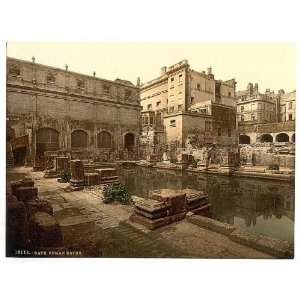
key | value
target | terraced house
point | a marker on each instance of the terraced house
(52, 109)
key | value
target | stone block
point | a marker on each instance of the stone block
(156, 223)
(26, 193)
(107, 175)
(44, 231)
(91, 179)
(176, 199)
(61, 164)
(27, 182)
(39, 205)
(77, 174)
(16, 225)
(211, 224)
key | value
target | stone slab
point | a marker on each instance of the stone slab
(211, 224)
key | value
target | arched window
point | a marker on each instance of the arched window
(282, 137)
(104, 139)
(244, 139)
(129, 141)
(79, 139)
(46, 140)
(266, 138)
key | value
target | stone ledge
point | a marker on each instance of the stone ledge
(272, 246)
(211, 224)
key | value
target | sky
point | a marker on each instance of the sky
(271, 65)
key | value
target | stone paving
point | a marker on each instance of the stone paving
(104, 230)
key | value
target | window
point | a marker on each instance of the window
(171, 109)
(173, 123)
(50, 78)
(14, 71)
(158, 104)
(149, 107)
(192, 100)
(253, 117)
(242, 118)
(172, 79)
(207, 126)
(151, 120)
(229, 132)
(290, 117)
(290, 105)
(229, 94)
(79, 139)
(180, 107)
(80, 84)
(127, 94)
(180, 78)
(219, 131)
(242, 108)
(198, 86)
(106, 88)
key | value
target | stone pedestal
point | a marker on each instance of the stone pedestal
(61, 164)
(77, 174)
(228, 165)
(50, 171)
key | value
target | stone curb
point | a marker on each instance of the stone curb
(211, 224)
(272, 246)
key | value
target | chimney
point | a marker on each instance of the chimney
(163, 70)
(209, 70)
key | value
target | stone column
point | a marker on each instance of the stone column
(61, 164)
(77, 174)
(50, 171)
(228, 164)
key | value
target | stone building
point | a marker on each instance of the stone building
(265, 118)
(52, 109)
(183, 106)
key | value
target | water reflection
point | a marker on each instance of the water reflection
(257, 206)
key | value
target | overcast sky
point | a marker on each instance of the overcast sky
(270, 65)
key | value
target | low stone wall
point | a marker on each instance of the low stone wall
(272, 246)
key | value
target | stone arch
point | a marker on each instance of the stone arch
(129, 140)
(79, 139)
(244, 139)
(104, 139)
(294, 137)
(47, 139)
(266, 138)
(282, 137)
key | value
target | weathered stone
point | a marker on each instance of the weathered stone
(39, 205)
(61, 164)
(16, 225)
(211, 224)
(156, 223)
(44, 231)
(107, 175)
(27, 182)
(91, 179)
(77, 174)
(177, 199)
(272, 246)
(26, 193)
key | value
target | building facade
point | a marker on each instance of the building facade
(52, 109)
(183, 106)
(265, 118)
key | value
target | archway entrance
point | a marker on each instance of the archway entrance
(282, 137)
(104, 140)
(266, 138)
(129, 141)
(244, 139)
(46, 140)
